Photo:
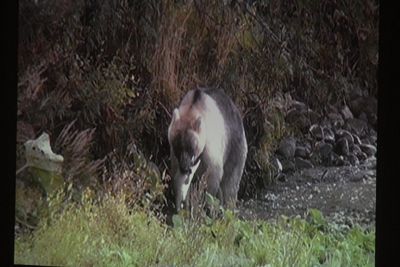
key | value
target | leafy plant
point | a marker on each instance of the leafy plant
(106, 231)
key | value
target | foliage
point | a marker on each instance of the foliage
(138, 178)
(119, 67)
(107, 232)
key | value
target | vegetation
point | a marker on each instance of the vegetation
(110, 72)
(107, 232)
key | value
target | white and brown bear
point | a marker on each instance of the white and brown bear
(207, 139)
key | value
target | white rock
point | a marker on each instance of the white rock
(38, 154)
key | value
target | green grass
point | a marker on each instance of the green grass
(108, 233)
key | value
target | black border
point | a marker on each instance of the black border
(387, 225)
(9, 106)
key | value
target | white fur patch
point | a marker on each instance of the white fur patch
(185, 187)
(215, 131)
(175, 117)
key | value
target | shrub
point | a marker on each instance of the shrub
(108, 232)
(120, 67)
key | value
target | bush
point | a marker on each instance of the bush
(108, 232)
(119, 67)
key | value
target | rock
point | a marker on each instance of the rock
(355, 149)
(316, 190)
(329, 136)
(292, 114)
(302, 152)
(373, 120)
(346, 113)
(356, 92)
(371, 140)
(363, 117)
(343, 162)
(303, 164)
(287, 147)
(366, 140)
(288, 166)
(271, 197)
(331, 108)
(281, 177)
(353, 160)
(370, 106)
(371, 162)
(39, 154)
(45, 165)
(325, 123)
(357, 139)
(317, 132)
(356, 105)
(339, 160)
(366, 105)
(372, 135)
(346, 135)
(357, 177)
(324, 149)
(342, 146)
(357, 126)
(315, 158)
(334, 160)
(370, 174)
(370, 150)
(336, 119)
(346, 162)
(362, 156)
(373, 132)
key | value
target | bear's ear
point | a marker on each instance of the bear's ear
(196, 125)
(175, 115)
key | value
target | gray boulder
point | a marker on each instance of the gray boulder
(336, 119)
(355, 149)
(342, 146)
(367, 105)
(288, 166)
(317, 132)
(303, 163)
(323, 149)
(357, 139)
(329, 136)
(346, 113)
(341, 133)
(356, 126)
(302, 152)
(353, 160)
(368, 149)
(287, 147)
(362, 156)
